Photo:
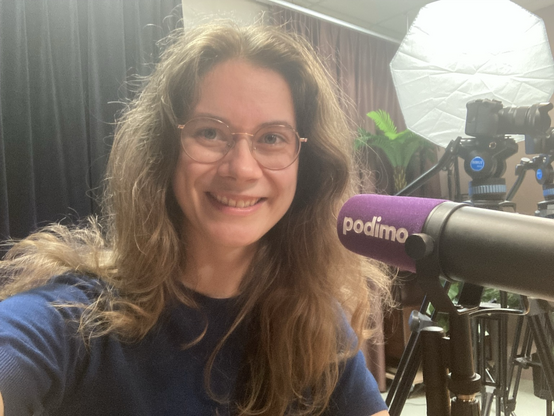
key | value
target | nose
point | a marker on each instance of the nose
(239, 162)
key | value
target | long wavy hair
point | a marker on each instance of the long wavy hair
(308, 282)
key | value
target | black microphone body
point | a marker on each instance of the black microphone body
(501, 250)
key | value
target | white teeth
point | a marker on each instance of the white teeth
(234, 203)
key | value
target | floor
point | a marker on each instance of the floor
(526, 402)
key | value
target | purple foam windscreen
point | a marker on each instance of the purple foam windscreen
(377, 226)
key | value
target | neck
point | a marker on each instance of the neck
(216, 271)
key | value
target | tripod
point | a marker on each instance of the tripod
(502, 382)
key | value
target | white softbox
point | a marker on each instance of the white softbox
(457, 51)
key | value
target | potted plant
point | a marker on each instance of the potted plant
(399, 147)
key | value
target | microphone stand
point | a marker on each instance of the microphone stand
(412, 356)
(450, 155)
(463, 382)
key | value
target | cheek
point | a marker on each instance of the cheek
(182, 182)
(178, 178)
(289, 187)
(292, 191)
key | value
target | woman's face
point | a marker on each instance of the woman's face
(235, 201)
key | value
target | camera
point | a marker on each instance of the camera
(540, 144)
(489, 118)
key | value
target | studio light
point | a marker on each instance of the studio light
(457, 51)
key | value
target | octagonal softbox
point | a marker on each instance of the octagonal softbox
(457, 51)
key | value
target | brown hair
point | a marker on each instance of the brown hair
(307, 280)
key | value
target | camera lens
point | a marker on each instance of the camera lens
(532, 120)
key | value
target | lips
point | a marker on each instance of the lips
(236, 202)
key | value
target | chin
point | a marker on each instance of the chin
(238, 243)
(236, 236)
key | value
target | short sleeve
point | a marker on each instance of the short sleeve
(39, 346)
(357, 392)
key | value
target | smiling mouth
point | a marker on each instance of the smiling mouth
(236, 203)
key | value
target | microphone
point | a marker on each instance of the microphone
(502, 250)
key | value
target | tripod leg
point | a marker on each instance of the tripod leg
(481, 360)
(520, 360)
(464, 382)
(404, 378)
(434, 372)
(407, 369)
(543, 350)
(502, 362)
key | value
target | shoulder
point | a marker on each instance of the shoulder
(60, 300)
(67, 287)
(38, 339)
(357, 392)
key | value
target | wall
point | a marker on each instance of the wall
(244, 11)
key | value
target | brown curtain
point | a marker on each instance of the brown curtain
(359, 64)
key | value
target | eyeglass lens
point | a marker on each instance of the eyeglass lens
(208, 140)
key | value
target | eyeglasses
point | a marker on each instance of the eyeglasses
(207, 140)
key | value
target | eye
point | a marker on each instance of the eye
(209, 133)
(272, 139)
(275, 138)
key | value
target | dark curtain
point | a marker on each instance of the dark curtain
(66, 69)
(4, 228)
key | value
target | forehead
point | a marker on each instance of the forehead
(245, 95)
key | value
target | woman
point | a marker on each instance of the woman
(215, 283)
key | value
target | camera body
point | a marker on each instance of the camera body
(544, 144)
(489, 118)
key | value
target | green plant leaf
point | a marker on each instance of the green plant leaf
(384, 123)
(387, 146)
(362, 138)
(412, 143)
(398, 147)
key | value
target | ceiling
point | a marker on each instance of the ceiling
(389, 18)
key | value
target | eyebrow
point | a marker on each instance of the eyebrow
(228, 122)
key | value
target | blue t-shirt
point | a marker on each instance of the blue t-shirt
(46, 368)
